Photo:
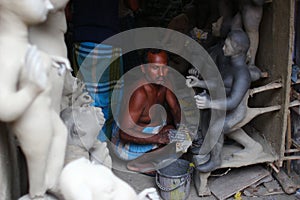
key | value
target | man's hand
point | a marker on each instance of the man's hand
(163, 136)
(203, 101)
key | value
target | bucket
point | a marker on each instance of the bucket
(174, 180)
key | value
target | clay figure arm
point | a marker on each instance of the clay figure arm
(203, 101)
(62, 64)
(130, 130)
(100, 154)
(149, 193)
(34, 77)
(241, 84)
(193, 81)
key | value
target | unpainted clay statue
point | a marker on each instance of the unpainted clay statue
(236, 14)
(49, 37)
(237, 81)
(74, 93)
(87, 173)
(236, 120)
(81, 179)
(84, 124)
(216, 52)
(25, 98)
(251, 12)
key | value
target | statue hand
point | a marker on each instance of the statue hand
(61, 63)
(194, 72)
(192, 81)
(84, 99)
(100, 115)
(35, 70)
(100, 154)
(203, 101)
(149, 193)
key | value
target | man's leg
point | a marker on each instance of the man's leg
(155, 159)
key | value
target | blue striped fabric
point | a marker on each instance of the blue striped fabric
(100, 67)
(130, 151)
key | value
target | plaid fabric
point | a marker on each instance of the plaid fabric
(93, 64)
(130, 151)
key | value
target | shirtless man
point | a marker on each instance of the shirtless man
(143, 127)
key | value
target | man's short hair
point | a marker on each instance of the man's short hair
(153, 51)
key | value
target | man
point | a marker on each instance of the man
(93, 23)
(143, 127)
(128, 12)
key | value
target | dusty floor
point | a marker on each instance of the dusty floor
(140, 182)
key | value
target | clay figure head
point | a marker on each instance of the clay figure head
(29, 11)
(236, 43)
(83, 124)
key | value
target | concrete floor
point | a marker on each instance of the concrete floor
(140, 181)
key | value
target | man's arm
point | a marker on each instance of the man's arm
(174, 105)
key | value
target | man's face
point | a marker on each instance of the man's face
(157, 69)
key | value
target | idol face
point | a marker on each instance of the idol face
(228, 48)
(31, 11)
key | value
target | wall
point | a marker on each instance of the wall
(275, 56)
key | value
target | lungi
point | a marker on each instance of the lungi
(130, 151)
(100, 67)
